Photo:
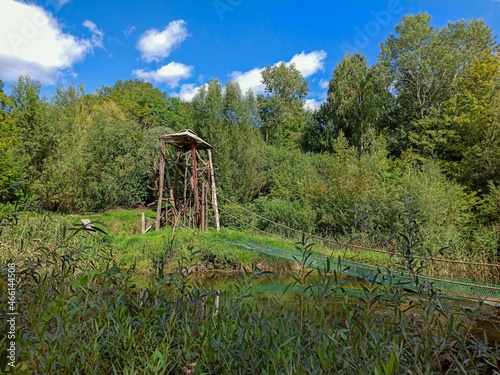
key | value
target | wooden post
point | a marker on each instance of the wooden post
(206, 207)
(203, 206)
(169, 187)
(162, 177)
(216, 303)
(195, 188)
(214, 194)
(176, 182)
(143, 223)
(185, 177)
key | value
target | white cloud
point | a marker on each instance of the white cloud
(34, 44)
(97, 34)
(156, 45)
(307, 63)
(188, 91)
(324, 83)
(249, 80)
(61, 3)
(312, 104)
(129, 30)
(170, 74)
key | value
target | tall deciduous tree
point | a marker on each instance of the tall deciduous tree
(422, 64)
(475, 116)
(226, 118)
(355, 103)
(10, 169)
(282, 107)
(34, 133)
(146, 104)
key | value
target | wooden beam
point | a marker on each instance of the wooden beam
(203, 206)
(160, 193)
(195, 188)
(214, 193)
(176, 182)
(169, 186)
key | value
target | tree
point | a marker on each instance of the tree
(466, 117)
(354, 105)
(35, 137)
(146, 104)
(100, 162)
(475, 116)
(225, 118)
(11, 172)
(422, 64)
(282, 107)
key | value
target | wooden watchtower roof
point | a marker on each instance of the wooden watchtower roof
(185, 140)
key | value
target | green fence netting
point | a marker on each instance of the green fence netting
(451, 287)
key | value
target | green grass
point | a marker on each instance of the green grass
(123, 226)
(123, 229)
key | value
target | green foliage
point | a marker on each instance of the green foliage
(289, 173)
(422, 64)
(294, 214)
(11, 172)
(444, 209)
(354, 106)
(99, 162)
(225, 119)
(146, 104)
(491, 207)
(475, 112)
(35, 135)
(464, 137)
(81, 152)
(282, 107)
(352, 182)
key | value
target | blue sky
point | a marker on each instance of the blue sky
(180, 45)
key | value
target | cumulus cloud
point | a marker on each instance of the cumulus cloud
(188, 91)
(307, 63)
(156, 45)
(33, 43)
(249, 80)
(169, 74)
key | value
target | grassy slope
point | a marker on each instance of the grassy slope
(124, 235)
(213, 250)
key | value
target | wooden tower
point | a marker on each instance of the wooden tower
(187, 190)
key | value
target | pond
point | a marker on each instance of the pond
(286, 288)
